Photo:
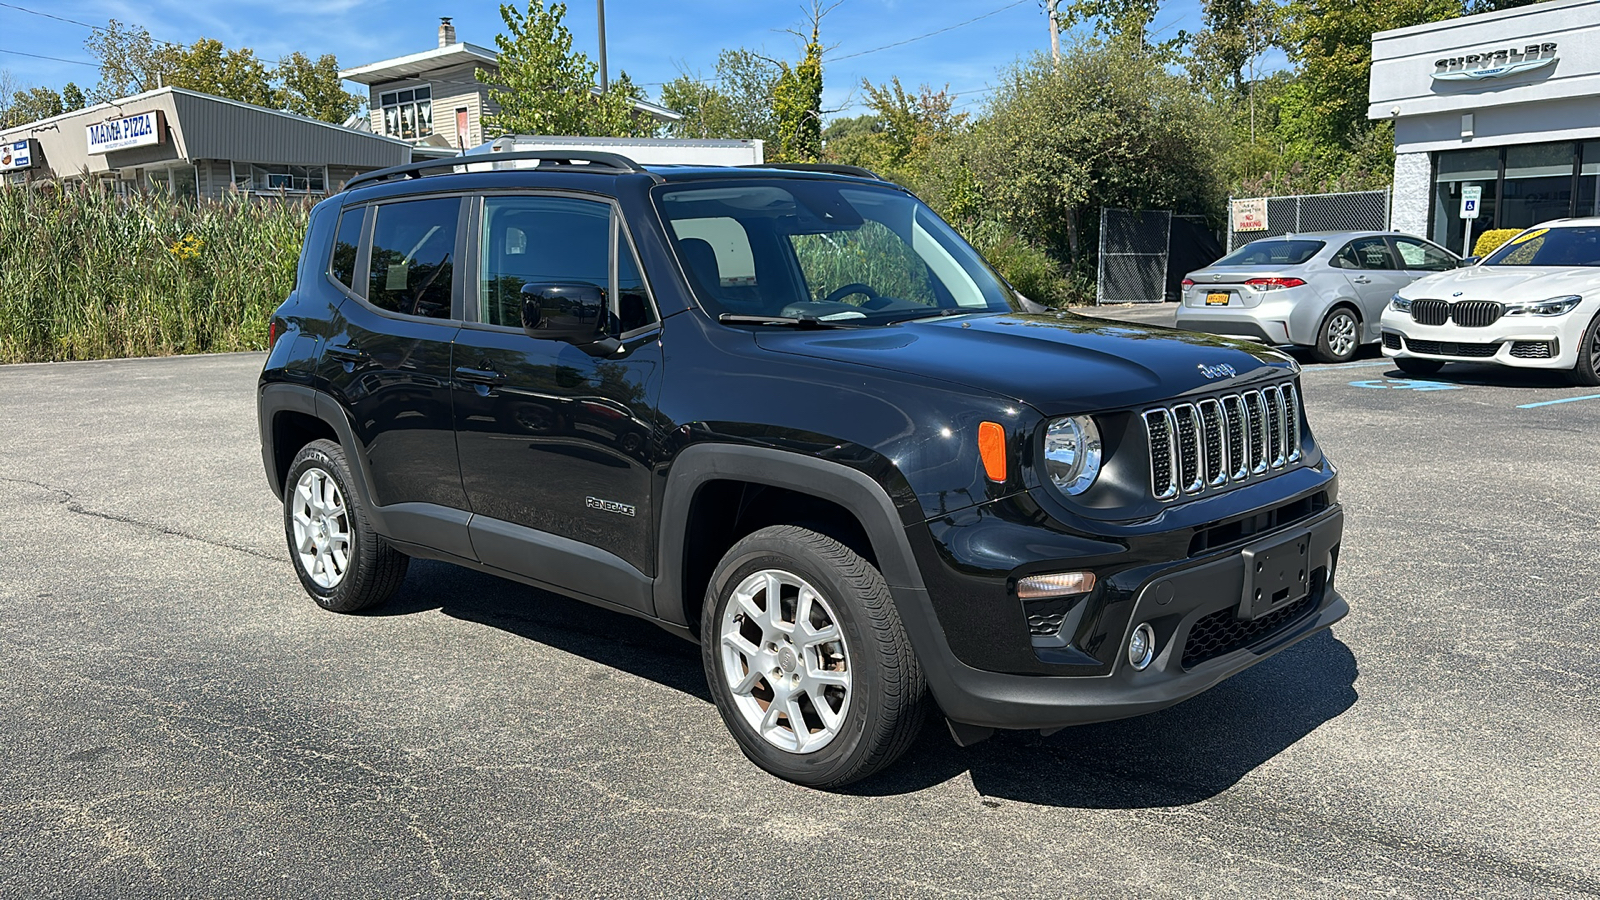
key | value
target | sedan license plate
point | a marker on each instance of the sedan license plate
(1275, 576)
(1217, 298)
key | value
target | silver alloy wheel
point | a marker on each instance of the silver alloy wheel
(785, 660)
(321, 528)
(1342, 334)
(1594, 349)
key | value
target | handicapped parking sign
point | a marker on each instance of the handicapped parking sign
(1406, 384)
(1471, 201)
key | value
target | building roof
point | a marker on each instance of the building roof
(446, 57)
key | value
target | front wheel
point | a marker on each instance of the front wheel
(1338, 337)
(807, 659)
(1586, 372)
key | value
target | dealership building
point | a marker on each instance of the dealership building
(189, 144)
(1506, 102)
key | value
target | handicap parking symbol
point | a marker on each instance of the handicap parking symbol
(1406, 384)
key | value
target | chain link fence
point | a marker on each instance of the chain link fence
(1355, 211)
(1133, 256)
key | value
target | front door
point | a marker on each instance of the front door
(1375, 276)
(556, 444)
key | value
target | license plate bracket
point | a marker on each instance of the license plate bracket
(1275, 576)
(1217, 298)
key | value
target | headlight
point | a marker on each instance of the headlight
(1072, 453)
(1399, 304)
(1555, 306)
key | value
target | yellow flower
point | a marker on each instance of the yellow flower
(187, 248)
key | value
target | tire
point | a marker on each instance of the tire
(1586, 371)
(1338, 337)
(1413, 366)
(321, 514)
(867, 677)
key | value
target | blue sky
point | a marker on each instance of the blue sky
(652, 41)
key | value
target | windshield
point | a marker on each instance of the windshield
(1271, 253)
(1550, 247)
(838, 252)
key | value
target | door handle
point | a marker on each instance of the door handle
(480, 376)
(346, 353)
(1363, 280)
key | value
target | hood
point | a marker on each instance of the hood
(1505, 284)
(1057, 365)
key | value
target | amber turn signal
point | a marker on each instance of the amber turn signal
(992, 447)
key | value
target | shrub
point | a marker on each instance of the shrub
(1029, 269)
(1490, 240)
(86, 275)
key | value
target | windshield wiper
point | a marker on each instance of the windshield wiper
(788, 321)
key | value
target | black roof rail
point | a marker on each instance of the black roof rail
(829, 168)
(592, 161)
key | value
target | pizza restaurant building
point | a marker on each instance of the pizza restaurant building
(1506, 102)
(188, 144)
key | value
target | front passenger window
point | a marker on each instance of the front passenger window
(1423, 257)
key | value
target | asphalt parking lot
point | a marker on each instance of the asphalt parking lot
(178, 719)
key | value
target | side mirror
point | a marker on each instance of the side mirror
(1467, 261)
(574, 312)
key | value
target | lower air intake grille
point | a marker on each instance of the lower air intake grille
(1223, 632)
(1450, 348)
(1391, 340)
(1045, 616)
(1531, 350)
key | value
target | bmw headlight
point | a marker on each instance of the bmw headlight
(1555, 306)
(1072, 453)
(1399, 304)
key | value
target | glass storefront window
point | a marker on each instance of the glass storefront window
(287, 179)
(1589, 181)
(1538, 185)
(1458, 169)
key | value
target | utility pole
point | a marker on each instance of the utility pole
(1055, 39)
(601, 16)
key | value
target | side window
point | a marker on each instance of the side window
(532, 240)
(1366, 253)
(1414, 254)
(413, 250)
(633, 307)
(345, 242)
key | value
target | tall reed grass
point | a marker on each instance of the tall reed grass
(84, 275)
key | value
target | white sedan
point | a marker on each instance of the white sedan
(1533, 303)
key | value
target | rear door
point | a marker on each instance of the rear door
(1374, 274)
(387, 359)
(556, 444)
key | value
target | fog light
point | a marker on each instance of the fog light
(1061, 584)
(1142, 646)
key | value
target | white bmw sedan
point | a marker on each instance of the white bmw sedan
(1533, 303)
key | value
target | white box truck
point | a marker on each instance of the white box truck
(645, 151)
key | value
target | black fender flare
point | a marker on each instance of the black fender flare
(298, 398)
(851, 489)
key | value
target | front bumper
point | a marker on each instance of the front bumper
(1187, 604)
(1516, 341)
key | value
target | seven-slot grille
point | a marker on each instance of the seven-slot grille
(1467, 313)
(1218, 440)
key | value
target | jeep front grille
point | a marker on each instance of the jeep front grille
(1220, 440)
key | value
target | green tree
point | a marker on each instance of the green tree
(1223, 55)
(737, 104)
(1125, 20)
(128, 59)
(898, 137)
(313, 89)
(210, 68)
(797, 102)
(72, 98)
(31, 105)
(545, 87)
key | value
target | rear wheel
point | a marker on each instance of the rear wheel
(1413, 366)
(342, 563)
(1586, 372)
(1339, 336)
(807, 659)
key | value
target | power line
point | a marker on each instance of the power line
(76, 62)
(35, 12)
(932, 33)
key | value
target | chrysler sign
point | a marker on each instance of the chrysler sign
(140, 130)
(1494, 63)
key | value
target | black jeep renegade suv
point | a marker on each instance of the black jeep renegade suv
(791, 415)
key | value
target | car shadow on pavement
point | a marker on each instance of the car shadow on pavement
(1178, 756)
(612, 639)
(1181, 755)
